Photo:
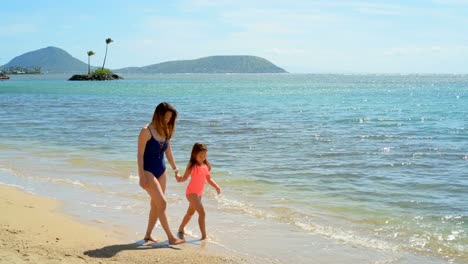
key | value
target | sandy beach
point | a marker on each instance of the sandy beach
(32, 230)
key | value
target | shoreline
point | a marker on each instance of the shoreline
(107, 238)
(351, 192)
(32, 229)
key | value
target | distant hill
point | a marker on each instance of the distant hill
(56, 60)
(51, 60)
(212, 64)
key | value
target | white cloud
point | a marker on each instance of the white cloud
(174, 26)
(20, 28)
(451, 2)
(428, 51)
(260, 22)
(209, 3)
(283, 52)
(377, 11)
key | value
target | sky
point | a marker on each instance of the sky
(301, 36)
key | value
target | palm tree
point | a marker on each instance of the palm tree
(90, 53)
(109, 40)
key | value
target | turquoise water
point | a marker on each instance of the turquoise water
(364, 163)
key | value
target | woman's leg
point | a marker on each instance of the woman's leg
(195, 201)
(153, 216)
(152, 219)
(156, 193)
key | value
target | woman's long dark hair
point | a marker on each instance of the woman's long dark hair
(158, 120)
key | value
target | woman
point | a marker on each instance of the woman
(153, 142)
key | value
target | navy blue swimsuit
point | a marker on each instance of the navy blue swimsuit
(153, 158)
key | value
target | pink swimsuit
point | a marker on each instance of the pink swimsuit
(198, 179)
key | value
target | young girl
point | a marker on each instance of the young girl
(199, 168)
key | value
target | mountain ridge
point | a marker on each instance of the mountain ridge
(55, 60)
(50, 59)
(210, 64)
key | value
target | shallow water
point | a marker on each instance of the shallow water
(361, 168)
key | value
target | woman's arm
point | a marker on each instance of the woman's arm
(171, 159)
(187, 172)
(142, 139)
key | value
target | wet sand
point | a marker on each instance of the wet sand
(33, 230)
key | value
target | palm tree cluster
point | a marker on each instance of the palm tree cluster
(91, 53)
(108, 41)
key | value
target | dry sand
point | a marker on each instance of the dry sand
(32, 230)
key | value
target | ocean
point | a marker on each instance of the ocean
(313, 168)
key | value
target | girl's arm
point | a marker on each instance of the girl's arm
(187, 172)
(171, 159)
(213, 184)
(142, 139)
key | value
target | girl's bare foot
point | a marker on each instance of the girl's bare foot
(176, 241)
(150, 238)
(203, 237)
(181, 234)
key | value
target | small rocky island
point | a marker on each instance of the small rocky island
(109, 76)
(4, 77)
(101, 74)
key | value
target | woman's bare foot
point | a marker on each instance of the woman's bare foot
(203, 237)
(176, 241)
(150, 238)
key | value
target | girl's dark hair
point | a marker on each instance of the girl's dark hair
(158, 120)
(197, 148)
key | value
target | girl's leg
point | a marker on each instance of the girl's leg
(153, 215)
(195, 201)
(187, 217)
(157, 195)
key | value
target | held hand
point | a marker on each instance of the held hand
(178, 177)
